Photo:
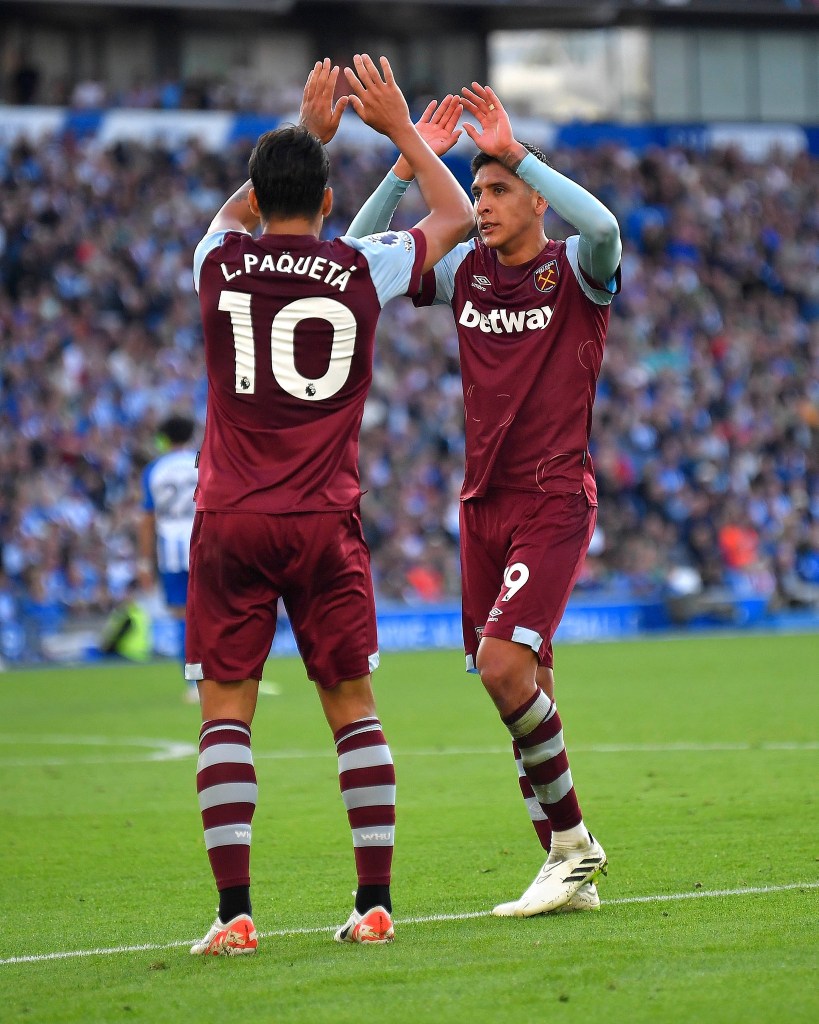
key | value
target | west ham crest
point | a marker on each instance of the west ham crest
(546, 277)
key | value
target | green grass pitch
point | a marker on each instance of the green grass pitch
(695, 762)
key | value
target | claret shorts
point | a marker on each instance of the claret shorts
(317, 562)
(521, 554)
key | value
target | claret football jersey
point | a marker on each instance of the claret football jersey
(289, 325)
(531, 341)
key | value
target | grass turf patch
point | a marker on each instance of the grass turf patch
(694, 761)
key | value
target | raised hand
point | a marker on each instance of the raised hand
(438, 128)
(495, 137)
(438, 124)
(317, 114)
(377, 101)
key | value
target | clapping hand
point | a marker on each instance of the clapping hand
(377, 101)
(438, 128)
(318, 114)
(495, 137)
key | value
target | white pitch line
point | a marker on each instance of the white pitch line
(576, 748)
(171, 750)
(700, 894)
(159, 750)
(68, 739)
(184, 751)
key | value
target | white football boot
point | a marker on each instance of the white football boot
(586, 898)
(565, 882)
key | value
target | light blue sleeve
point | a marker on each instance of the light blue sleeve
(209, 242)
(445, 270)
(600, 296)
(599, 247)
(391, 258)
(375, 216)
(377, 212)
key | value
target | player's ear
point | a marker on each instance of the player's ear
(253, 202)
(327, 202)
(541, 206)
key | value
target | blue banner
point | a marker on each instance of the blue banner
(217, 129)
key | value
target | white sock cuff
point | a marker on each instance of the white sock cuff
(540, 711)
(571, 838)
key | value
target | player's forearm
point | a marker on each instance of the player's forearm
(450, 211)
(147, 541)
(438, 185)
(236, 213)
(377, 212)
(600, 248)
(402, 170)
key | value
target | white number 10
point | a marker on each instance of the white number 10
(282, 344)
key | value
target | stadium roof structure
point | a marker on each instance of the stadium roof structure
(488, 14)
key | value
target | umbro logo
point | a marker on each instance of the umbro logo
(480, 282)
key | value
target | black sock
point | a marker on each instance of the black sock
(369, 896)
(234, 901)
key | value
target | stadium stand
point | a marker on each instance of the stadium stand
(706, 437)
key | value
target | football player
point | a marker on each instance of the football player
(289, 323)
(168, 484)
(531, 315)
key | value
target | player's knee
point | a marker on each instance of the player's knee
(235, 700)
(348, 701)
(497, 674)
(507, 672)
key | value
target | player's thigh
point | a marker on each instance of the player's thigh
(329, 599)
(232, 595)
(483, 542)
(543, 561)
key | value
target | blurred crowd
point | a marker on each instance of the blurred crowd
(706, 436)
(234, 90)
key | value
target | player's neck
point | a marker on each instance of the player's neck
(522, 250)
(293, 226)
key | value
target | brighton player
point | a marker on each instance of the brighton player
(168, 484)
(289, 325)
(531, 315)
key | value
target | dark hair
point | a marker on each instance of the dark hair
(177, 429)
(482, 159)
(289, 168)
